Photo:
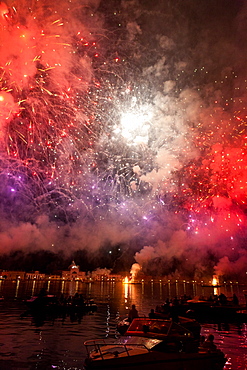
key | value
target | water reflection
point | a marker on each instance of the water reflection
(48, 286)
(58, 342)
(130, 292)
(169, 289)
(33, 287)
(62, 287)
(126, 292)
(161, 293)
(17, 287)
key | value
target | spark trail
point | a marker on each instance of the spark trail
(125, 123)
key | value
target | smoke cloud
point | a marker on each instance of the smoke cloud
(123, 129)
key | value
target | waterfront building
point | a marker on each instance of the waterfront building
(53, 277)
(73, 273)
(115, 277)
(34, 276)
(13, 275)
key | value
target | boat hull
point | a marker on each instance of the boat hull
(148, 361)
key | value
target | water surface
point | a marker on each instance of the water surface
(58, 344)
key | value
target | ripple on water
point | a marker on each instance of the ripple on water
(26, 344)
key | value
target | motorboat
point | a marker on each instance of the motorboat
(48, 307)
(241, 316)
(189, 323)
(205, 310)
(51, 303)
(153, 342)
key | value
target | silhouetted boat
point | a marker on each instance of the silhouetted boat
(49, 306)
(241, 316)
(210, 311)
(211, 286)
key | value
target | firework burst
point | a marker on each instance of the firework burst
(105, 120)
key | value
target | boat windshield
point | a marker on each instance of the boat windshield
(149, 343)
(157, 328)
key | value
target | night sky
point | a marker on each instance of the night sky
(123, 133)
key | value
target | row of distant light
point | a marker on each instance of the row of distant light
(143, 281)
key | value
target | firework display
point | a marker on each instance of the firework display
(125, 124)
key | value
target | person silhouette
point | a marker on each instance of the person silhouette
(208, 344)
(235, 300)
(133, 313)
(151, 314)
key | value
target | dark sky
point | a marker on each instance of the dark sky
(123, 128)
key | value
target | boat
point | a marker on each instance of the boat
(211, 286)
(49, 302)
(209, 311)
(241, 316)
(150, 343)
(45, 307)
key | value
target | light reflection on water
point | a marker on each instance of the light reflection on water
(58, 344)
